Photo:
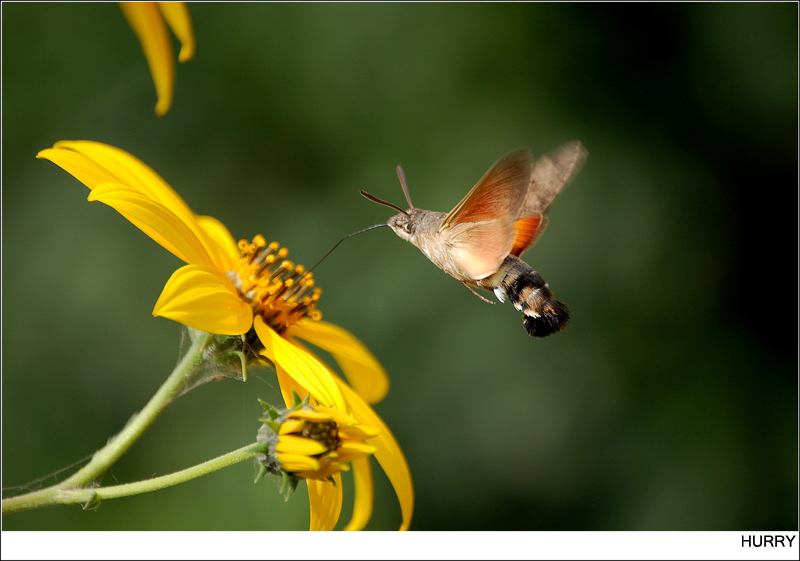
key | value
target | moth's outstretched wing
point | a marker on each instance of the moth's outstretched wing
(551, 173)
(480, 228)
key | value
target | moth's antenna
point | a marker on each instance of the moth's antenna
(340, 241)
(402, 177)
(375, 199)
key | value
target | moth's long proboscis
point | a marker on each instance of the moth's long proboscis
(340, 241)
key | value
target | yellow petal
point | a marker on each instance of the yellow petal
(223, 246)
(288, 385)
(297, 463)
(388, 453)
(304, 367)
(148, 24)
(177, 17)
(328, 467)
(325, 501)
(288, 427)
(364, 373)
(203, 298)
(350, 451)
(82, 168)
(364, 495)
(357, 432)
(290, 444)
(336, 415)
(125, 169)
(94, 163)
(310, 415)
(155, 220)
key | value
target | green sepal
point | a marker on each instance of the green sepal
(262, 471)
(288, 484)
(332, 480)
(297, 401)
(92, 503)
(270, 410)
(272, 424)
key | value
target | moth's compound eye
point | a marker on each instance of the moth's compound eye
(407, 227)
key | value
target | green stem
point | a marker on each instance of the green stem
(91, 497)
(110, 453)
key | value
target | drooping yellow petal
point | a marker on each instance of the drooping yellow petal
(125, 169)
(388, 453)
(364, 373)
(205, 299)
(301, 365)
(364, 495)
(325, 500)
(82, 168)
(148, 24)
(288, 385)
(95, 163)
(155, 220)
(177, 17)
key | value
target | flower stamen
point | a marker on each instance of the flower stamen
(281, 292)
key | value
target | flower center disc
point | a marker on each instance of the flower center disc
(281, 292)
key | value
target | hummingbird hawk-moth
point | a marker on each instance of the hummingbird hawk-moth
(481, 240)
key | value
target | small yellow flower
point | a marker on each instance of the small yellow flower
(250, 289)
(313, 442)
(147, 20)
(325, 498)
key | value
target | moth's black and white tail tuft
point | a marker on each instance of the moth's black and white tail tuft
(544, 315)
(552, 319)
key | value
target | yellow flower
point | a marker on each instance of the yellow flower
(325, 498)
(147, 20)
(250, 289)
(311, 442)
(319, 442)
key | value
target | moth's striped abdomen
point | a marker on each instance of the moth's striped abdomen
(527, 291)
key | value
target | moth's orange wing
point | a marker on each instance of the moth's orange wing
(527, 232)
(551, 173)
(480, 229)
(499, 193)
(479, 248)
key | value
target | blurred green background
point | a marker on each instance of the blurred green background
(670, 401)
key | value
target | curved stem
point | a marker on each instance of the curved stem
(91, 497)
(110, 453)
